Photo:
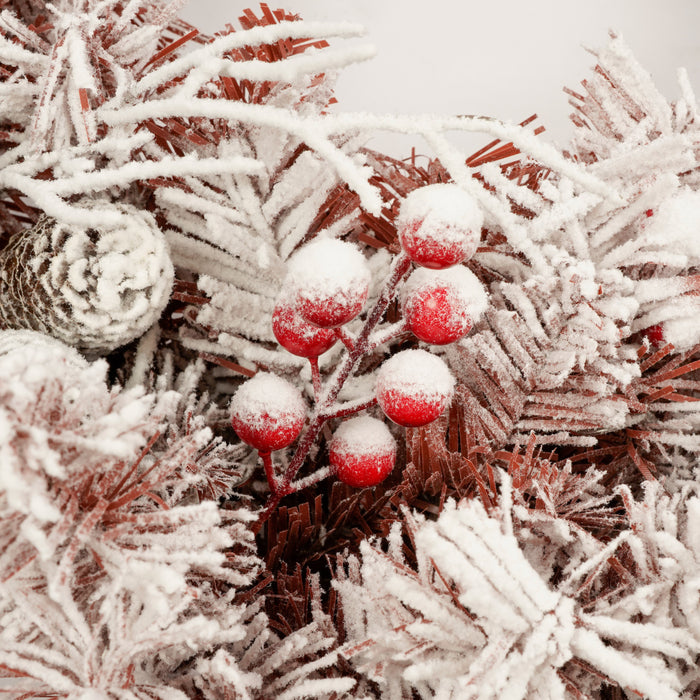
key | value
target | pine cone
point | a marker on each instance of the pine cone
(92, 289)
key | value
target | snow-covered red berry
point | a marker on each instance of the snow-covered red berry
(362, 452)
(655, 335)
(330, 282)
(297, 335)
(441, 306)
(439, 225)
(414, 387)
(268, 412)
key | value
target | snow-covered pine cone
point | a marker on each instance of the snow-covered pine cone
(93, 289)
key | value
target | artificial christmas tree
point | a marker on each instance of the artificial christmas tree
(281, 416)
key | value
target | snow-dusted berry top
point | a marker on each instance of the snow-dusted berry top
(328, 267)
(267, 396)
(415, 373)
(363, 435)
(446, 210)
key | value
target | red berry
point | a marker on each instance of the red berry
(414, 387)
(654, 334)
(441, 306)
(297, 335)
(362, 452)
(436, 316)
(268, 412)
(329, 280)
(330, 312)
(439, 226)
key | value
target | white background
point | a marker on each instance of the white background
(506, 59)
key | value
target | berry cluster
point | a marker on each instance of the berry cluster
(439, 227)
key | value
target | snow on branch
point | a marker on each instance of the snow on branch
(112, 534)
(204, 64)
(124, 574)
(254, 36)
(317, 133)
(474, 616)
(310, 131)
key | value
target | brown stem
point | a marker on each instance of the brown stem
(361, 346)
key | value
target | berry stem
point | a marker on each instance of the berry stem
(345, 338)
(310, 480)
(350, 407)
(315, 377)
(269, 471)
(387, 334)
(324, 406)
